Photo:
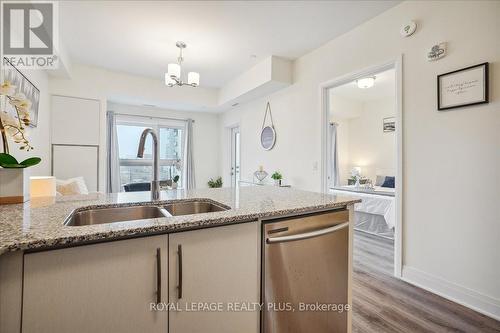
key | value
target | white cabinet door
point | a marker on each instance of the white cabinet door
(107, 287)
(77, 161)
(75, 120)
(214, 266)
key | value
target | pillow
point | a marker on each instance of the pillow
(380, 180)
(389, 182)
(71, 186)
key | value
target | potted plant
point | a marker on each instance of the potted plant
(277, 176)
(175, 181)
(14, 179)
(215, 183)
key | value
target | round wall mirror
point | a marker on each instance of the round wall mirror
(268, 137)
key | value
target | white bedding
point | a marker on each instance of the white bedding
(373, 204)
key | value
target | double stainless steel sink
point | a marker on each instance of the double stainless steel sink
(82, 217)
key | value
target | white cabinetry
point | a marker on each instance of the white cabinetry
(75, 120)
(105, 287)
(75, 135)
(210, 267)
(110, 287)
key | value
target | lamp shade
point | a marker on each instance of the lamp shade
(43, 186)
(168, 80)
(356, 171)
(193, 78)
(174, 70)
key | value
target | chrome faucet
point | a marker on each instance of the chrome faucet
(155, 183)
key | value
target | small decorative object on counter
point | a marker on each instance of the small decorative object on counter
(215, 183)
(43, 186)
(175, 181)
(277, 176)
(14, 179)
(260, 174)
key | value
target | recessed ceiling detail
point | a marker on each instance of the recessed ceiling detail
(135, 37)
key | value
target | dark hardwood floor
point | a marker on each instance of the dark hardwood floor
(382, 303)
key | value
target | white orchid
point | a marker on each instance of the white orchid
(6, 88)
(11, 130)
(10, 125)
(19, 100)
(8, 119)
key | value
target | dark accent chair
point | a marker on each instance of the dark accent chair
(139, 187)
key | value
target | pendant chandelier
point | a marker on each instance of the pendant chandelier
(173, 76)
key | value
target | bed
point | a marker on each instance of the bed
(376, 214)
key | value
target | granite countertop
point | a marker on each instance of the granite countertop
(38, 223)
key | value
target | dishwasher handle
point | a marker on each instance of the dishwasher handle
(307, 235)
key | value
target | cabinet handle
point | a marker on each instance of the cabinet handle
(158, 275)
(179, 255)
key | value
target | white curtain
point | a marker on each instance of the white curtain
(113, 163)
(334, 156)
(189, 181)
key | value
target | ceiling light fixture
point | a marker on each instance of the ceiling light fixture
(366, 82)
(173, 76)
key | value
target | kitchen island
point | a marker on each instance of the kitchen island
(56, 277)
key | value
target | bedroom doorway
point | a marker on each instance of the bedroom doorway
(362, 143)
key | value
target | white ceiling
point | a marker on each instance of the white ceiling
(384, 88)
(139, 37)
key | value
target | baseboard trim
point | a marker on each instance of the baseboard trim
(469, 298)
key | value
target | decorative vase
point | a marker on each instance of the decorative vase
(260, 175)
(277, 182)
(14, 185)
(174, 185)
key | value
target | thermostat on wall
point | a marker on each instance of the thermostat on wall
(408, 29)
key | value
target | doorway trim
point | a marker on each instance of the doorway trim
(397, 65)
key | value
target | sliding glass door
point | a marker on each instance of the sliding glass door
(235, 156)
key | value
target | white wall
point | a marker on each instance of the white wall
(370, 147)
(205, 137)
(107, 86)
(451, 229)
(39, 136)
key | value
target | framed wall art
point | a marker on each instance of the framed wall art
(463, 87)
(389, 124)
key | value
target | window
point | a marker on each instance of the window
(170, 141)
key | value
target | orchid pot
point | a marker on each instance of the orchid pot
(15, 179)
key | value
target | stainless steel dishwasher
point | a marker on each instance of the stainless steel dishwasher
(306, 264)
